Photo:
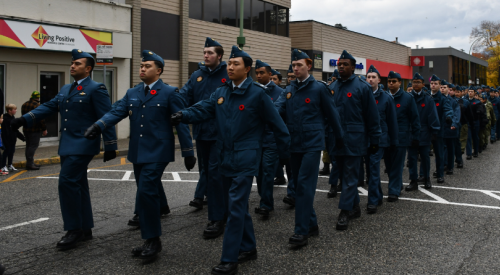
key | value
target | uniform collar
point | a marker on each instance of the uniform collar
(242, 87)
(239, 86)
(209, 71)
(303, 81)
(81, 80)
(349, 79)
(150, 85)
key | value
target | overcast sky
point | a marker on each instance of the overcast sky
(427, 23)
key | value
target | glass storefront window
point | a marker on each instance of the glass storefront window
(97, 77)
(258, 23)
(228, 12)
(211, 11)
(195, 9)
(270, 11)
(282, 18)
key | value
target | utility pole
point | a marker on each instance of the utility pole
(241, 39)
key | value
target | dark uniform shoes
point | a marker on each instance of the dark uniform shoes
(149, 249)
(225, 269)
(71, 238)
(196, 203)
(247, 256)
(214, 229)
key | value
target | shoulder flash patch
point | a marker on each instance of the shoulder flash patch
(176, 90)
(102, 87)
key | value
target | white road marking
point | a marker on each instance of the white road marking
(120, 179)
(489, 193)
(434, 196)
(127, 175)
(23, 223)
(176, 176)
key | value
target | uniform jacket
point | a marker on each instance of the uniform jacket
(408, 118)
(444, 110)
(358, 115)
(274, 92)
(78, 109)
(305, 109)
(448, 132)
(240, 117)
(428, 117)
(200, 86)
(388, 118)
(151, 134)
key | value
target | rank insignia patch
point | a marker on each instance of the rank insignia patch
(199, 79)
(220, 100)
(288, 96)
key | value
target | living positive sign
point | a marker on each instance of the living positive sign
(330, 63)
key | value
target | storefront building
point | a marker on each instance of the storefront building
(450, 64)
(324, 43)
(36, 44)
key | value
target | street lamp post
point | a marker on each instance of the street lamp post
(470, 50)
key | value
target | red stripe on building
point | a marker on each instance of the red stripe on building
(384, 68)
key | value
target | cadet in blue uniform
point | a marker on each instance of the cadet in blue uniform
(445, 114)
(200, 86)
(149, 106)
(389, 138)
(361, 127)
(494, 101)
(241, 109)
(270, 158)
(88, 97)
(421, 142)
(276, 77)
(473, 131)
(451, 133)
(305, 105)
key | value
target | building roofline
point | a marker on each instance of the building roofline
(314, 21)
(449, 51)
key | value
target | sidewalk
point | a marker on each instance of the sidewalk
(48, 154)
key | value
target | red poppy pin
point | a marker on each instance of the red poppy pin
(349, 94)
(423, 105)
(437, 104)
(474, 103)
(398, 105)
(79, 88)
(376, 101)
(242, 107)
(153, 92)
(308, 100)
(223, 80)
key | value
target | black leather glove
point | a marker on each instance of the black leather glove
(93, 132)
(109, 155)
(176, 118)
(17, 123)
(339, 144)
(434, 137)
(21, 137)
(284, 162)
(373, 149)
(189, 162)
(448, 120)
(414, 143)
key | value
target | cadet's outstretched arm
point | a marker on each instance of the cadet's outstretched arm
(178, 103)
(270, 115)
(200, 111)
(331, 113)
(102, 105)
(456, 111)
(43, 111)
(280, 104)
(187, 92)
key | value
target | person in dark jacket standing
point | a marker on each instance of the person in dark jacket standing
(32, 134)
(9, 138)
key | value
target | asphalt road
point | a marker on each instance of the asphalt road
(453, 229)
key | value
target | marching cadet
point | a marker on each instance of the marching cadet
(361, 126)
(305, 104)
(149, 106)
(451, 133)
(465, 115)
(290, 75)
(241, 109)
(389, 138)
(270, 158)
(409, 88)
(420, 145)
(79, 105)
(466, 119)
(494, 101)
(200, 86)
(276, 77)
(445, 114)
(473, 134)
(408, 127)
(327, 160)
(490, 114)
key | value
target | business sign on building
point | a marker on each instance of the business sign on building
(18, 34)
(330, 63)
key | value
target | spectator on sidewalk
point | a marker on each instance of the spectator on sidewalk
(33, 134)
(9, 138)
(2, 173)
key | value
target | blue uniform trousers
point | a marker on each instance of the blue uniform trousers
(161, 191)
(396, 163)
(290, 190)
(335, 172)
(350, 167)
(208, 162)
(364, 162)
(375, 193)
(458, 148)
(148, 178)
(239, 235)
(473, 139)
(425, 161)
(305, 168)
(497, 127)
(74, 195)
(449, 158)
(265, 180)
(493, 131)
(438, 146)
(201, 188)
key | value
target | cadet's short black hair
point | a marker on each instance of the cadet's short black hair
(280, 77)
(353, 62)
(159, 65)
(268, 69)
(248, 63)
(90, 62)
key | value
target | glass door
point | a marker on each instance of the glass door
(50, 84)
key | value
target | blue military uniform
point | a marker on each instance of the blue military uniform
(445, 114)
(79, 105)
(200, 86)
(451, 135)
(389, 138)
(241, 114)
(152, 142)
(429, 127)
(305, 105)
(270, 158)
(360, 123)
(494, 128)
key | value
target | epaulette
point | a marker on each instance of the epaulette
(103, 87)
(321, 81)
(260, 85)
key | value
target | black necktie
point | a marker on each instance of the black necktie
(146, 91)
(73, 86)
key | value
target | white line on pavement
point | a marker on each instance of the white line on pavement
(121, 180)
(176, 176)
(432, 195)
(23, 223)
(127, 175)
